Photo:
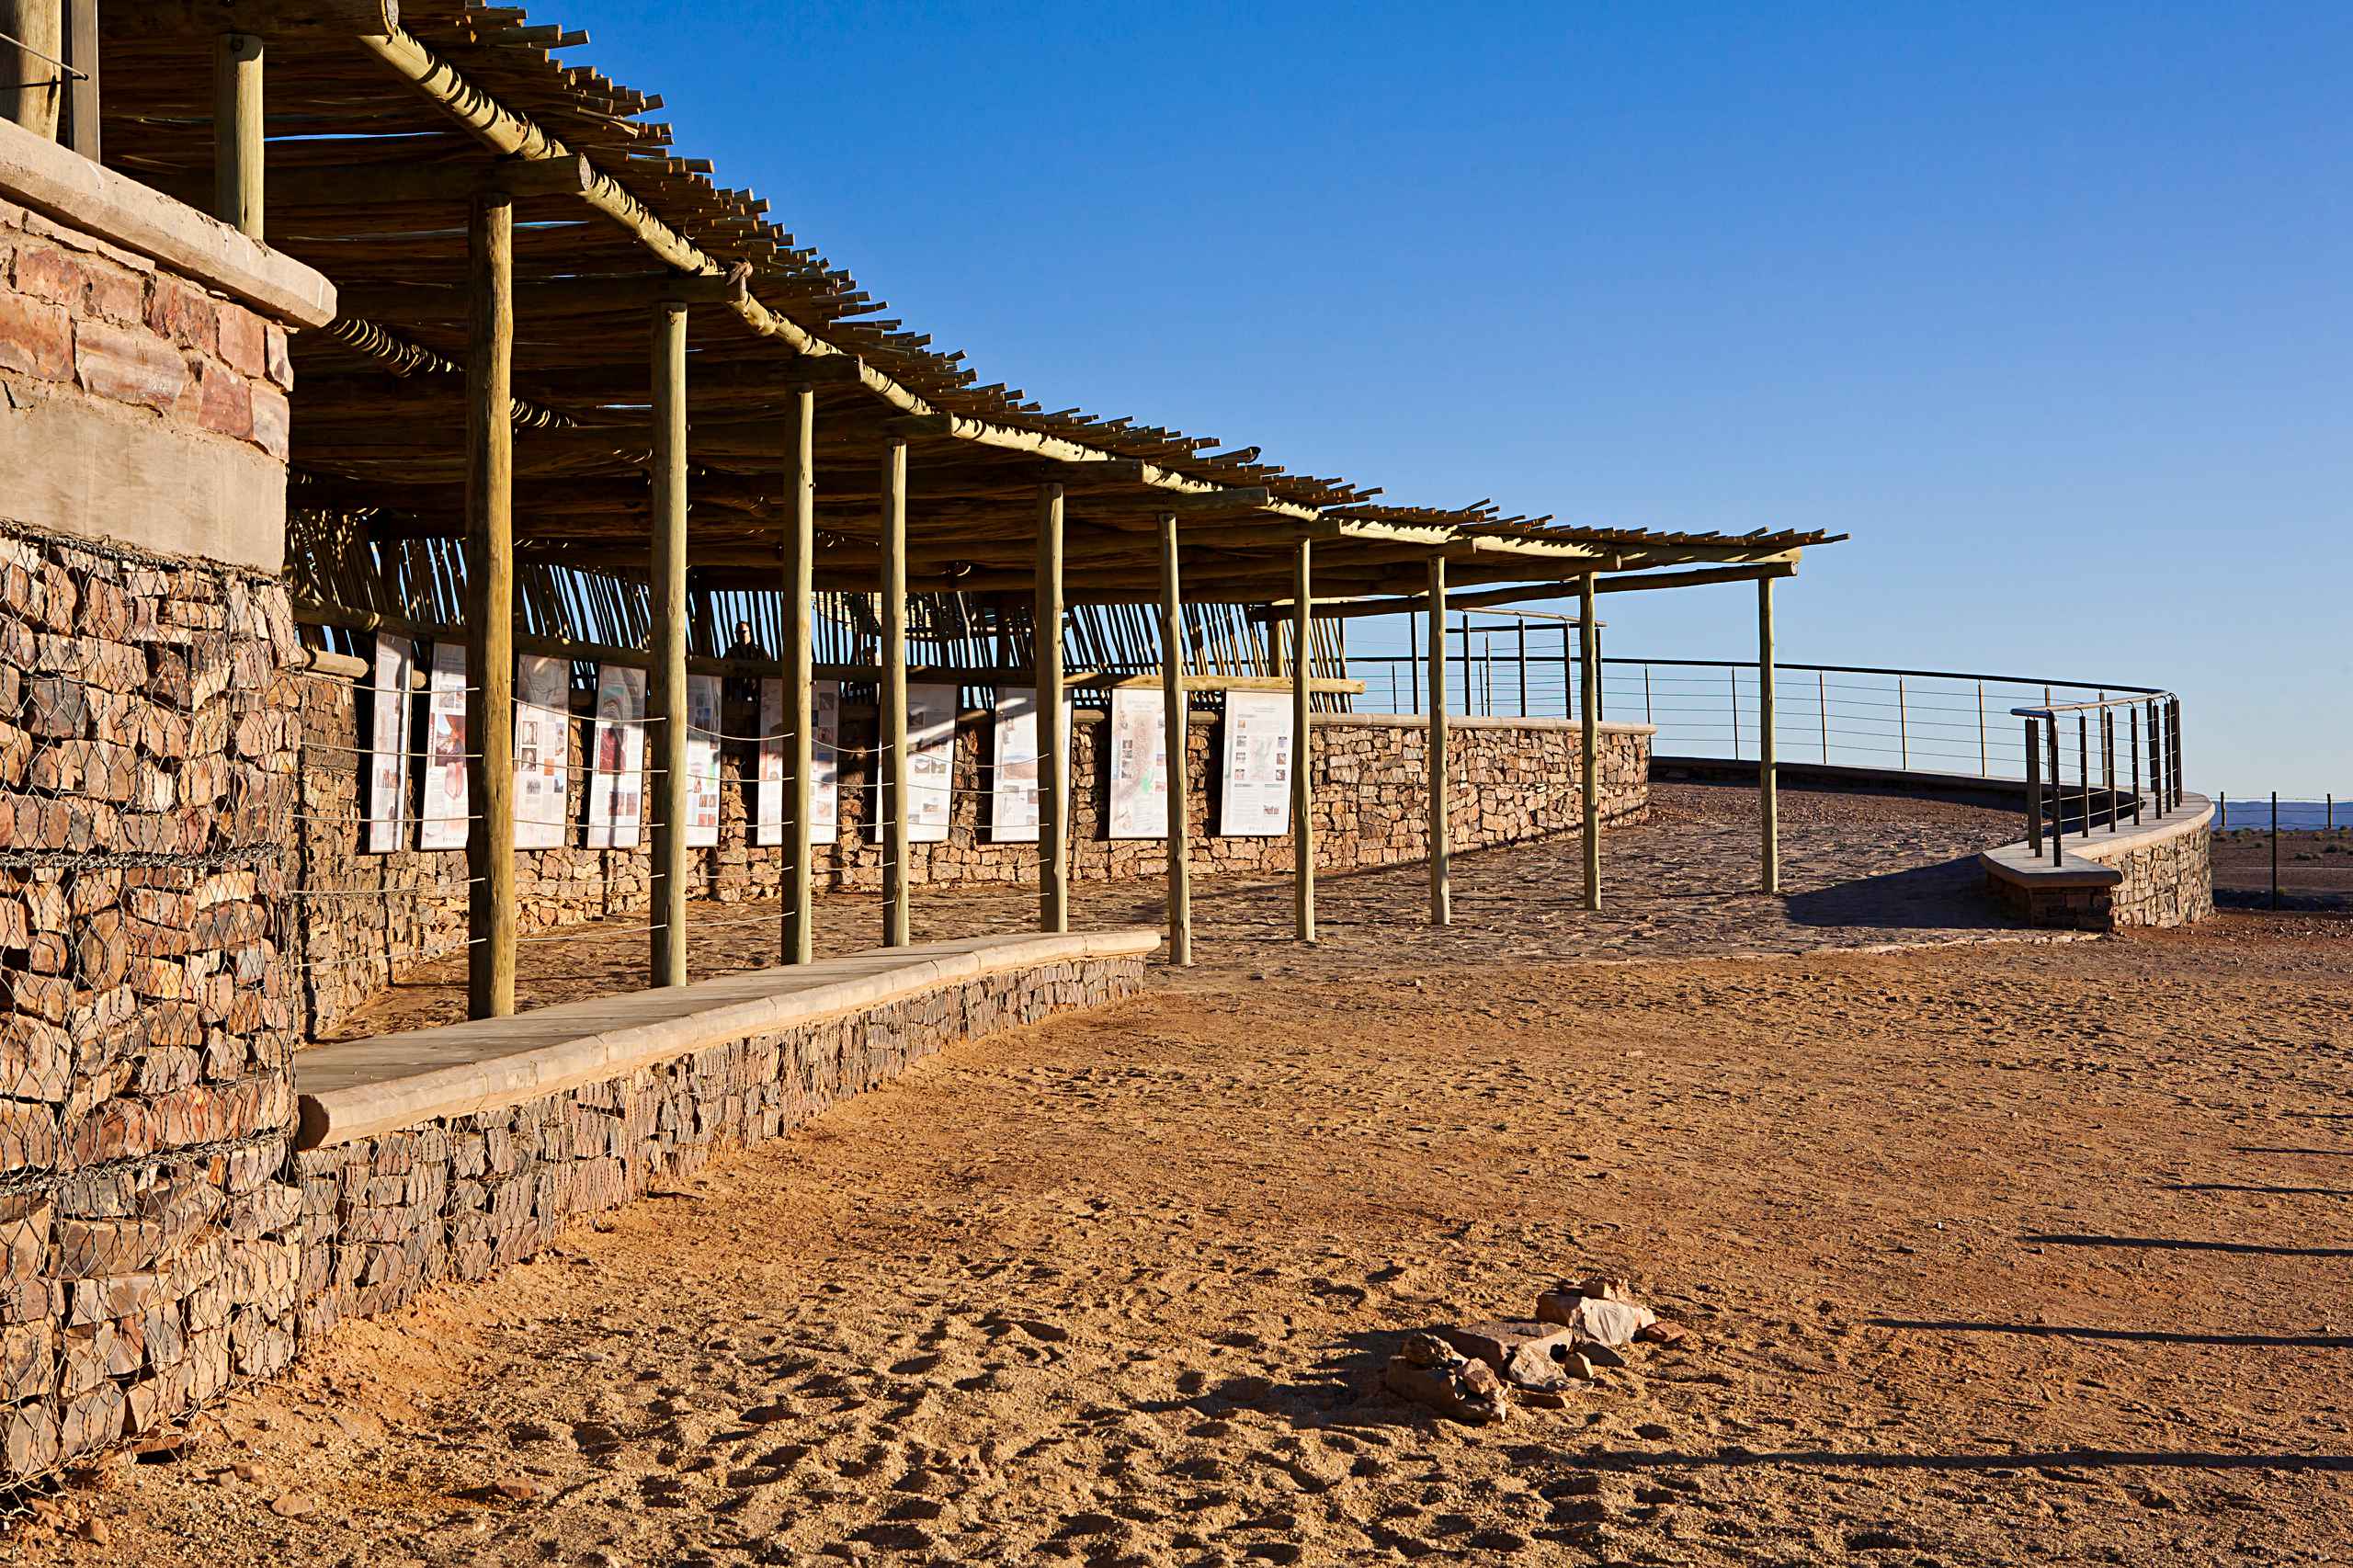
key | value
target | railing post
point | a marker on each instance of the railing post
(2275, 848)
(2173, 735)
(2084, 766)
(2108, 761)
(1822, 711)
(1647, 717)
(2033, 791)
(1984, 761)
(1522, 627)
(1903, 728)
(2135, 716)
(2058, 789)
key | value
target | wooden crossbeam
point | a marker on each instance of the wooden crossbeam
(406, 304)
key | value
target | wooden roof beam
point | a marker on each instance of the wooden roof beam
(408, 304)
(270, 18)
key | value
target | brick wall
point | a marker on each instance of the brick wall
(364, 918)
(148, 728)
(80, 318)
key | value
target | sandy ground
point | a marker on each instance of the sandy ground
(1994, 1253)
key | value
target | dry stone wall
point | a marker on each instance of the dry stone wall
(366, 918)
(392, 1215)
(148, 1237)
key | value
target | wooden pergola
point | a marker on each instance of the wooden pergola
(561, 343)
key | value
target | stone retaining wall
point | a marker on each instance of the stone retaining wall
(148, 728)
(2160, 874)
(387, 1216)
(364, 919)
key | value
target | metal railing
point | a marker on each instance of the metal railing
(2095, 725)
(1905, 720)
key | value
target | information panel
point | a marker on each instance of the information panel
(617, 777)
(1015, 766)
(1255, 802)
(1138, 745)
(767, 824)
(392, 704)
(703, 762)
(542, 737)
(443, 802)
(825, 765)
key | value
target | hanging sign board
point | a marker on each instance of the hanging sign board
(825, 765)
(1015, 766)
(444, 796)
(767, 827)
(1257, 799)
(542, 736)
(1139, 743)
(391, 704)
(617, 777)
(703, 762)
(931, 761)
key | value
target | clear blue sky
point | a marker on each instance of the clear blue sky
(2047, 305)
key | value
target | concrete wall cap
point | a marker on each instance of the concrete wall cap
(2083, 862)
(59, 183)
(1473, 722)
(364, 1087)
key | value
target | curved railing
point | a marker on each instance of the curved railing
(1952, 722)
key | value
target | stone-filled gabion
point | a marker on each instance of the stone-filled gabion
(149, 1242)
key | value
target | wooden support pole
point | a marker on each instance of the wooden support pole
(1303, 745)
(1171, 693)
(490, 583)
(1434, 753)
(667, 711)
(1768, 804)
(81, 56)
(1053, 746)
(34, 86)
(237, 119)
(1590, 737)
(800, 696)
(895, 771)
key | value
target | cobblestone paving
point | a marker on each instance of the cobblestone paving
(1858, 871)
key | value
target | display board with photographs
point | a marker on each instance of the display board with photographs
(703, 762)
(542, 742)
(443, 799)
(1139, 748)
(1256, 800)
(1016, 765)
(617, 765)
(390, 707)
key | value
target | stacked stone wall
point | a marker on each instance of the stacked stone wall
(149, 1239)
(80, 318)
(367, 918)
(392, 1215)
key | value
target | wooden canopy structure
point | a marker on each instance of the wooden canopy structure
(568, 346)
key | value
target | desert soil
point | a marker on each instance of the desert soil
(1994, 1253)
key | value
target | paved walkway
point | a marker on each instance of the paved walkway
(1858, 871)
